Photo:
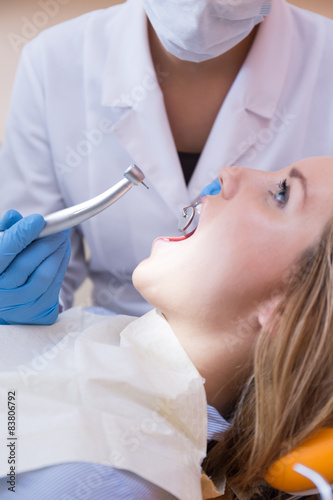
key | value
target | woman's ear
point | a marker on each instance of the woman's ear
(267, 308)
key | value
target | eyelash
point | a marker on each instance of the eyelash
(283, 189)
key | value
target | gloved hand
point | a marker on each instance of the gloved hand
(31, 272)
(213, 188)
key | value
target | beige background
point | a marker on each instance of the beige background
(19, 16)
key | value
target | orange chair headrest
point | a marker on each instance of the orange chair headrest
(316, 453)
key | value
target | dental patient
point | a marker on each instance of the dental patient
(235, 360)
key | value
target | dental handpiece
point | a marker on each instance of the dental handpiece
(72, 216)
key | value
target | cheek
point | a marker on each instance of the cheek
(268, 257)
(256, 251)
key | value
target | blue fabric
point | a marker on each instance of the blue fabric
(85, 481)
(216, 425)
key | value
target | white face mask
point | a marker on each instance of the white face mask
(197, 30)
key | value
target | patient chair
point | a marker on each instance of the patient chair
(306, 470)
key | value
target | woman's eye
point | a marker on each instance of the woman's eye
(282, 194)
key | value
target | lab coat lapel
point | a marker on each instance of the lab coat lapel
(154, 151)
(131, 89)
(252, 104)
(226, 143)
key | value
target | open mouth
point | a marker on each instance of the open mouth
(180, 238)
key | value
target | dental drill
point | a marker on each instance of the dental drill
(72, 216)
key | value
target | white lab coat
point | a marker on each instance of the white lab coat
(87, 103)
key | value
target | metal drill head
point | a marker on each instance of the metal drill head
(134, 174)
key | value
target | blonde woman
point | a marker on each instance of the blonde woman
(243, 324)
(266, 240)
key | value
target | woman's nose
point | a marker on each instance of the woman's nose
(229, 178)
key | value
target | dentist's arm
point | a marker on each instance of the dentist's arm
(29, 178)
(31, 271)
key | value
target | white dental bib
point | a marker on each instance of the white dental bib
(113, 390)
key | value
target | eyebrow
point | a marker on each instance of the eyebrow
(297, 174)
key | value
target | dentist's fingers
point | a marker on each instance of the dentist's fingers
(46, 308)
(49, 274)
(17, 237)
(31, 270)
(27, 261)
(9, 219)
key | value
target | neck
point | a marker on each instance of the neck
(222, 356)
(226, 65)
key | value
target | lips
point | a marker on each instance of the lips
(181, 238)
(170, 239)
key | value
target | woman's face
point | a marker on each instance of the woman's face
(248, 238)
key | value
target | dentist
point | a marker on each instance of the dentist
(181, 88)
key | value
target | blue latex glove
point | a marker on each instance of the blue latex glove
(31, 272)
(213, 188)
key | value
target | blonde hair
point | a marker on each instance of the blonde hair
(290, 394)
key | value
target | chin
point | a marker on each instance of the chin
(148, 282)
(136, 276)
(141, 278)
